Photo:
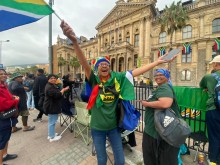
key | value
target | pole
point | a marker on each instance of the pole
(50, 41)
(1, 50)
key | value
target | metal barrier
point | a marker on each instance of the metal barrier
(195, 118)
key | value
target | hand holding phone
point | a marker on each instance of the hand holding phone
(171, 54)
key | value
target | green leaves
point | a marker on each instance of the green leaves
(173, 18)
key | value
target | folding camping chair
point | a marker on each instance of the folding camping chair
(67, 116)
(82, 122)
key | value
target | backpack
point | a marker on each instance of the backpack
(217, 91)
(86, 92)
(171, 128)
(127, 116)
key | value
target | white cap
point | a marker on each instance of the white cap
(215, 59)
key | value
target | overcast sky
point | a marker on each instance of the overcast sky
(29, 43)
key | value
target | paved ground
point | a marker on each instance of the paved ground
(33, 148)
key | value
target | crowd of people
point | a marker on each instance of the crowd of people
(29, 92)
(45, 94)
(103, 121)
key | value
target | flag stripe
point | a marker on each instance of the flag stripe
(29, 7)
(16, 20)
(217, 44)
(7, 10)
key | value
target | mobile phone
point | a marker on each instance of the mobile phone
(171, 54)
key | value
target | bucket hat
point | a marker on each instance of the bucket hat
(15, 75)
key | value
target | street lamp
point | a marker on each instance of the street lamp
(1, 49)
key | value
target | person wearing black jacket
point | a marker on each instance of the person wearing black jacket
(71, 84)
(52, 105)
(38, 93)
(16, 88)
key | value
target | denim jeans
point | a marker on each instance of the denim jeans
(213, 127)
(52, 119)
(99, 140)
(30, 99)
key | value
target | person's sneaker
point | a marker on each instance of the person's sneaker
(37, 120)
(48, 137)
(56, 138)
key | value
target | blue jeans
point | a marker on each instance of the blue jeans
(99, 140)
(213, 127)
(52, 119)
(30, 99)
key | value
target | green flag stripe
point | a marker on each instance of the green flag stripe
(28, 7)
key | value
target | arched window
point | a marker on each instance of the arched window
(187, 57)
(216, 26)
(187, 32)
(162, 37)
(136, 40)
(186, 75)
(128, 37)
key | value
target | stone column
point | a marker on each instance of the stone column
(99, 44)
(147, 42)
(115, 35)
(201, 24)
(122, 29)
(194, 52)
(131, 34)
(141, 38)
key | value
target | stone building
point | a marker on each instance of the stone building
(132, 37)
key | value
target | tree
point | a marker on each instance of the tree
(74, 62)
(61, 62)
(173, 18)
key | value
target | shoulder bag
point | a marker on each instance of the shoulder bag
(172, 129)
(8, 114)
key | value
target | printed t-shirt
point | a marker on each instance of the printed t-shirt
(163, 90)
(103, 114)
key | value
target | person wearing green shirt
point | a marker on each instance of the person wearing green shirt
(155, 150)
(102, 102)
(208, 83)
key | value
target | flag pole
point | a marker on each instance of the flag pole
(57, 16)
(50, 51)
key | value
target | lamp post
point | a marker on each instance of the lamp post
(1, 49)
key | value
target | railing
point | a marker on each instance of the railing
(192, 103)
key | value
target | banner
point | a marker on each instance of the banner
(186, 48)
(161, 51)
(216, 44)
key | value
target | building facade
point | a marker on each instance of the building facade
(131, 35)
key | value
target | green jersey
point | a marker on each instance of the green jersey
(163, 90)
(103, 113)
(208, 82)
